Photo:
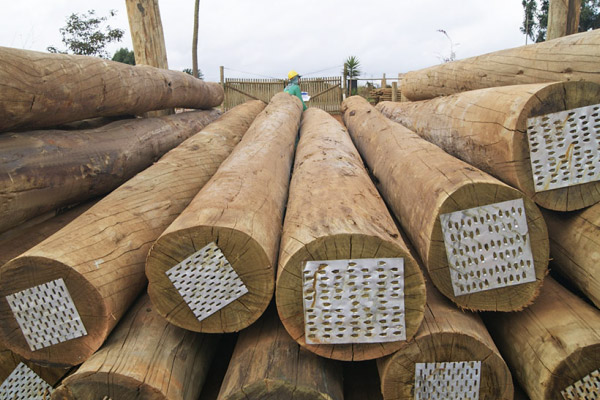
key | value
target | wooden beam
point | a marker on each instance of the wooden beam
(238, 215)
(324, 91)
(423, 184)
(329, 181)
(98, 259)
(229, 86)
(492, 129)
(563, 18)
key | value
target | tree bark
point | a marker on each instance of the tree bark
(268, 364)
(489, 129)
(100, 256)
(44, 170)
(422, 183)
(144, 358)
(334, 212)
(241, 211)
(563, 18)
(575, 248)
(447, 335)
(41, 90)
(571, 58)
(550, 345)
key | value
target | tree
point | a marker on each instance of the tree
(125, 56)
(352, 71)
(195, 71)
(87, 34)
(199, 75)
(535, 20)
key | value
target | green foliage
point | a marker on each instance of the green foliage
(352, 67)
(125, 56)
(86, 34)
(535, 18)
(189, 71)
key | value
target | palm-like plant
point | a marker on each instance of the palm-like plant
(352, 67)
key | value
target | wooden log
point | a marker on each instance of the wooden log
(551, 345)
(361, 381)
(99, 258)
(492, 232)
(40, 89)
(563, 18)
(336, 219)
(575, 248)
(144, 358)
(538, 138)
(268, 364)
(451, 352)
(238, 215)
(44, 170)
(570, 58)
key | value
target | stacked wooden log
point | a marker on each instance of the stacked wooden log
(383, 94)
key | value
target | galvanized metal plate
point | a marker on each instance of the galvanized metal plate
(488, 247)
(447, 380)
(354, 301)
(24, 384)
(587, 388)
(46, 314)
(207, 281)
(565, 148)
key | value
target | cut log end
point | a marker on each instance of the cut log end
(238, 275)
(277, 389)
(498, 264)
(97, 386)
(290, 301)
(576, 374)
(51, 314)
(397, 372)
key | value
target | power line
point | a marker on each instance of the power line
(252, 73)
(321, 70)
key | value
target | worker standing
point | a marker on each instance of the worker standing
(293, 87)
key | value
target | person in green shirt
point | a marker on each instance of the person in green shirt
(293, 87)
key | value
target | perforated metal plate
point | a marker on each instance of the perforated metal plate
(354, 301)
(587, 388)
(565, 148)
(24, 384)
(46, 314)
(207, 281)
(447, 380)
(488, 247)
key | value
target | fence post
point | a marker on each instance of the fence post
(394, 91)
(383, 82)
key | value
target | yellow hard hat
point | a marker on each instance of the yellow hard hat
(292, 74)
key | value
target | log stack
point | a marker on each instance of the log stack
(383, 94)
(90, 272)
(347, 286)
(484, 244)
(213, 269)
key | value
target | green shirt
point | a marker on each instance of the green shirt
(294, 90)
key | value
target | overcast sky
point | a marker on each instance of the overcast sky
(267, 38)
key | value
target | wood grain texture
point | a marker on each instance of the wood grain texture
(575, 248)
(268, 364)
(241, 210)
(47, 169)
(570, 58)
(9, 361)
(144, 358)
(101, 254)
(563, 18)
(147, 34)
(447, 335)
(551, 344)
(335, 212)
(420, 182)
(487, 128)
(42, 89)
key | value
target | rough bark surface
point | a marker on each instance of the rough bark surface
(421, 182)
(575, 248)
(145, 358)
(44, 170)
(487, 128)
(551, 344)
(268, 364)
(41, 89)
(335, 212)
(101, 254)
(570, 58)
(563, 18)
(241, 210)
(447, 335)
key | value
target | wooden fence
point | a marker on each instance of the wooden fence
(326, 93)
